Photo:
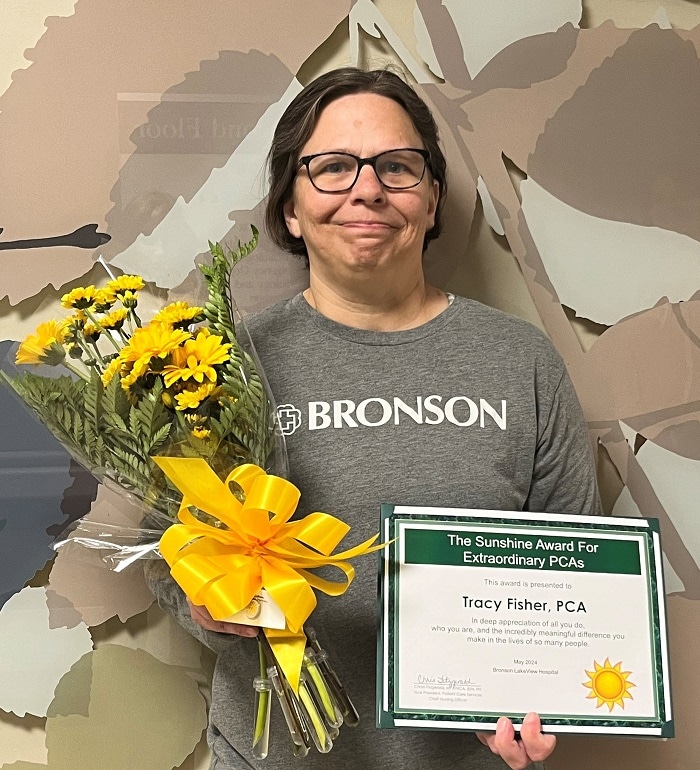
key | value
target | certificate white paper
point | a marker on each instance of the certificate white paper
(486, 615)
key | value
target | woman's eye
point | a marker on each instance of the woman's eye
(394, 168)
(333, 166)
(337, 167)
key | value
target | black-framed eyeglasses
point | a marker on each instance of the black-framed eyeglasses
(398, 169)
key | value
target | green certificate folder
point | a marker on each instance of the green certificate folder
(489, 613)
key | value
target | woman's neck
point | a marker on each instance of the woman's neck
(378, 308)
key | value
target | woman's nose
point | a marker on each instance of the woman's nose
(368, 186)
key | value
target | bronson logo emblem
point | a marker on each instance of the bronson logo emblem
(289, 418)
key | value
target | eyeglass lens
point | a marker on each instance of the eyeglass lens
(337, 171)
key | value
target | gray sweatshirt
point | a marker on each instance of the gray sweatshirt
(474, 409)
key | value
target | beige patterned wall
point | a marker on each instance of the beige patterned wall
(571, 131)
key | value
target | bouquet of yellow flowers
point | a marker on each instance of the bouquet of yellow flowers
(176, 413)
(182, 384)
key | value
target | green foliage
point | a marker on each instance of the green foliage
(101, 429)
(245, 410)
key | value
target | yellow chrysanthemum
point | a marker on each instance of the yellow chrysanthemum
(114, 320)
(156, 340)
(92, 331)
(110, 371)
(124, 283)
(132, 373)
(178, 312)
(147, 343)
(201, 432)
(191, 399)
(103, 300)
(75, 321)
(81, 298)
(45, 346)
(129, 299)
(196, 359)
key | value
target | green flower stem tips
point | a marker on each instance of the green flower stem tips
(345, 705)
(262, 686)
(261, 735)
(321, 691)
(297, 731)
(317, 727)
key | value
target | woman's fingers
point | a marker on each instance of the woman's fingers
(518, 752)
(202, 617)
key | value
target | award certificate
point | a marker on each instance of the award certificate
(489, 613)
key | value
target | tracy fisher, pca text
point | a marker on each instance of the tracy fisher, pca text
(524, 605)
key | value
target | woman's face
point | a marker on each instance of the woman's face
(367, 230)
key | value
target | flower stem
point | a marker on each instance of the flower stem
(95, 320)
(261, 715)
(319, 732)
(75, 370)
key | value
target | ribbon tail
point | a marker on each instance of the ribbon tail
(288, 648)
(330, 587)
(201, 487)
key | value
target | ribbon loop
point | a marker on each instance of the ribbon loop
(273, 494)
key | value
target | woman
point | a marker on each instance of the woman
(378, 369)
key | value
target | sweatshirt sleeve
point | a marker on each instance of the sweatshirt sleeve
(171, 599)
(564, 475)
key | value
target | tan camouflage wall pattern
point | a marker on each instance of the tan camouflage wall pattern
(571, 132)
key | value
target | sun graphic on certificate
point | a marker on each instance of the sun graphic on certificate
(609, 684)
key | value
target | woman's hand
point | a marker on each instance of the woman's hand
(201, 616)
(518, 753)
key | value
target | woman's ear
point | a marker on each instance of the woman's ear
(290, 218)
(432, 205)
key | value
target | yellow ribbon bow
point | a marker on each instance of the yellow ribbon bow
(258, 547)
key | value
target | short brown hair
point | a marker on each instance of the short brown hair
(299, 120)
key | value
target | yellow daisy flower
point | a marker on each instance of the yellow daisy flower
(196, 359)
(73, 327)
(192, 398)
(179, 312)
(110, 371)
(114, 320)
(147, 343)
(201, 432)
(81, 298)
(103, 300)
(124, 283)
(45, 346)
(91, 332)
(156, 340)
(131, 374)
(129, 299)
(75, 321)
